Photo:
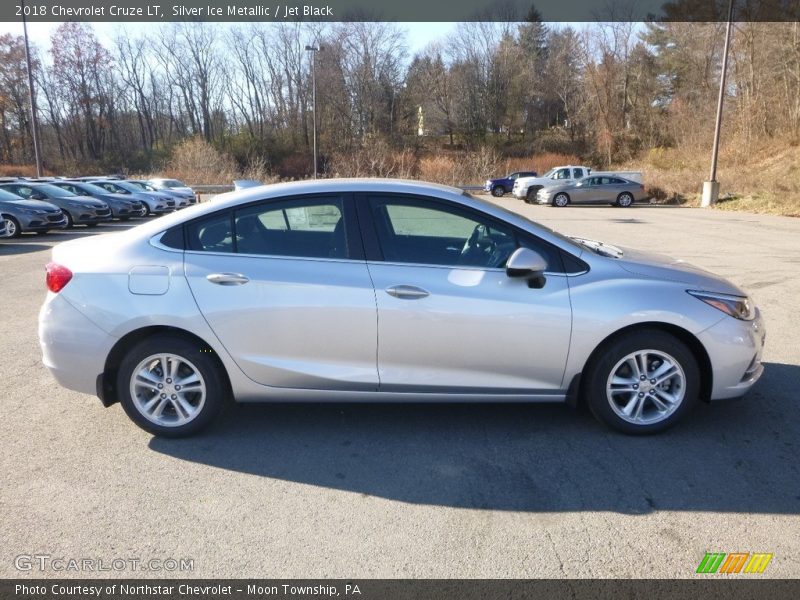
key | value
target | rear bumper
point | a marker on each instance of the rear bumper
(735, 348)
(74, 349)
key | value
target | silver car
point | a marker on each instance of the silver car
(595, 189)
(29, 215)
(382, 290)
(174, 187)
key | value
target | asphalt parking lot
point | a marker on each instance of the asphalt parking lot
(411, 490)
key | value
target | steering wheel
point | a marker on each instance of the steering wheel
(479, 248)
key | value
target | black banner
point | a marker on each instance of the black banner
(401, 589)
(392, 10)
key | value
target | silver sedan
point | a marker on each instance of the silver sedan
(381, 290)
(595, 189)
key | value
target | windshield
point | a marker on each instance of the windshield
(52, 190)
(172, 183)
(6, 195)
(600, 248)
(138, 184)
(549, 173)
(91, 189)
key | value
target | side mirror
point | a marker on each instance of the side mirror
(526, 264)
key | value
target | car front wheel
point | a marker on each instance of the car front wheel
(642, 382)
(13, 229)
(561, 200)
(170, 387)
(498, 191)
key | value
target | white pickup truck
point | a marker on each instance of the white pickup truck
(525, 188)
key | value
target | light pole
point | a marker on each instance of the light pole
(314, 50)
(34, 121)
(711, 187)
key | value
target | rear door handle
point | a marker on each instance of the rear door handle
(227, 278)
(407, 292)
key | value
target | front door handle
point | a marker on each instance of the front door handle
(227, 278)
(407, 292)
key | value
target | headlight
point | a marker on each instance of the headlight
(32, 211)
(738, 307)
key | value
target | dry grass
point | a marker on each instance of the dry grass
(196, 162)
(22, 171)
(762, 179)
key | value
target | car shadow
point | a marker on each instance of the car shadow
(735, 456)
(20, 246)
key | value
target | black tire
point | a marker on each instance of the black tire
(70, 220)
(498, 191)
(147, 212)
(625, 200)
(561, 199)
(13, 230)
(530, 196)
(211, 371)
(606, 359)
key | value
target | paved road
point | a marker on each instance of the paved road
(418, 491)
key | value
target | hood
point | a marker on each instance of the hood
(661, 266)
(33, 204)
(112, 197)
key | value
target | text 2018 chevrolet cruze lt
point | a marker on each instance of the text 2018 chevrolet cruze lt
(385, 290)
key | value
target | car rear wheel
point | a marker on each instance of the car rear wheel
(642, 382)
(561, 200)
(498, 191)
(12, 228)
(168, 386)
(624, 200)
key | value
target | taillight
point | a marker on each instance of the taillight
(57, 277)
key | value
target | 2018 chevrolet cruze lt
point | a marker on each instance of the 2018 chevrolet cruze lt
(380, 290)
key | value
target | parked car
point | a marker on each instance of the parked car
(173, 186)
(29, 215)
(154, 203)
(525, 188)
(181, 201)
(123, 207)
(78, 210)
(595, 189)
(500, 187)
(408, 291)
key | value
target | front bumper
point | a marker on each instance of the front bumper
(735, 348)
(44, 222)
(99, 215)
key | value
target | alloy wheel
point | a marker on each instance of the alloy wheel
(168, 390)
(646, 387)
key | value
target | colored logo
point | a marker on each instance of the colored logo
(735, 562)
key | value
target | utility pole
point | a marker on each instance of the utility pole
(711, 187)
(34, 121)
(314, 50)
